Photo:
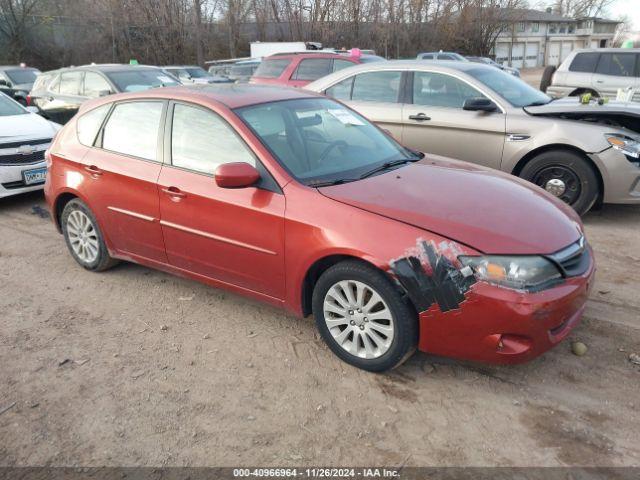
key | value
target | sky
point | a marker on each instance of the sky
(630, 8)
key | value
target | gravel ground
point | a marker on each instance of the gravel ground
(136, 367)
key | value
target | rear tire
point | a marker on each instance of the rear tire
(547, 76)
(371, 333)
(566, 175)
(84, 238)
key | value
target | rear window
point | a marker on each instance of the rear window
(618, 64)
(585, 62)
(23, 75)
(272, 68)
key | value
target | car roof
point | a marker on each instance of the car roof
(106, 68)
(231, 95)
(310, 53)
(607, 50)
(16, 67)
(452, 65)
(182, 66)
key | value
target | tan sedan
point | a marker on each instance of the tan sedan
(583, 154)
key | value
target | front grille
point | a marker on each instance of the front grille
(573, 260)
(42, 141)
(19, 159)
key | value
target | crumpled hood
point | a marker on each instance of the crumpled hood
(29, 126)
(488, 210)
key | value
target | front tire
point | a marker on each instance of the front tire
(84, 238)
(362, 317)
(547, 77)
(566, 175)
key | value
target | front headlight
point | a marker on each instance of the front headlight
(519, 272)
(626, 145)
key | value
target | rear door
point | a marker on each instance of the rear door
(375, 95)
(580, 74)
(434, 121)
(235, 236)
(63, 98)
(615, 70)
(121, 175)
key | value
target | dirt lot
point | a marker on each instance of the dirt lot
(97, 380)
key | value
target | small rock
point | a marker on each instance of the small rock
(578, 348)
(206, 336)
(604, 292)
(164, 328)
(634, 358)
(383, 424)
(137, 374)
(34, 404)
(393, 409)
(251, 417)
(516, 403)
(249, 365)
(320, 408)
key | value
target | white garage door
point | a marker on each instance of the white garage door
(502, 53)
(594, 43)
(517, 55)
(553, 57)
(566, 50)
(531, 59)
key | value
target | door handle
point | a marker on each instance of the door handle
(599, 81)
(174, 192)
(421, 117)
(93, 170)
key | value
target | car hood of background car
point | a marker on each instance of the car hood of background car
(625, 114)
(485, 209)
(28, 126)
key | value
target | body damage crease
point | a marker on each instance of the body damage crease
(429, 277)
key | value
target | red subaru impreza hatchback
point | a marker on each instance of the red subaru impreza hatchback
(296, 200)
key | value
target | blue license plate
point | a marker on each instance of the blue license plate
(34, 176)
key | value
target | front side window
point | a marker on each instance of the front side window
(313, 68)
(70, 83)
(10, 107)
(89, 124)
(132, 129)
(201, 141)
(618, 64)
(584, 62)
(268, 68)
(439, 90)
(95, 85)
(319, 140)
(515, 91)
(377, 87)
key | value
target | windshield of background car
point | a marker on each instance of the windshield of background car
(319, 140)
(23, 75)
(197, 72)
(9, 107)
(512, 89)
(136, 80)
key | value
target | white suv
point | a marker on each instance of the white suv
(601, 72)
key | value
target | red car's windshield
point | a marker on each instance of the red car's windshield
(319, 140)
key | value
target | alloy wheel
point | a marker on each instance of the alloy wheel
(82, 236)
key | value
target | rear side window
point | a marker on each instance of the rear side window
(95, 85)
(201, 141)
(585, 62)
(376, 87)
(313, 68)
(272, 68)
(342, 90)
(89, 124)
(618, 64)
(426, 56)
(340, 64)
(132, 129)
(70, 83)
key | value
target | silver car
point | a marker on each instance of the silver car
(583, 154)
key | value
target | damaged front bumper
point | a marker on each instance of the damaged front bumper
(475, 320)
(621, 176)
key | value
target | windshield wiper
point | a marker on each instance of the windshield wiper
(387, 165)
(538, 103)
(328, 183)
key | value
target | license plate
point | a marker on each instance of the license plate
(34, 176)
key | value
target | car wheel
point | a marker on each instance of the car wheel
(363, 318)
(566, 175)
(547, 76)
(581, 91)
(84, 238)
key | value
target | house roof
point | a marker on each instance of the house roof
(530, 15)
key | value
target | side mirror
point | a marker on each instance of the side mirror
(236, 175)
(104, 93)
(479, 104)
(4, 83)
(32, 109)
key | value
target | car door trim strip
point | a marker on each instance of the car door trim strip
(216, 237)
(132, 214)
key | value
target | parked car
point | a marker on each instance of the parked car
(477, 113)
(488, 61)
(16, 81)
(441, 56)
(61, 92)
(299, 69)
(294, 199)
(241, 72)
(600, 71)
(24, 136)
(194, 74)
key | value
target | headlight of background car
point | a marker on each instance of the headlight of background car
(519, 272)
(626, 145)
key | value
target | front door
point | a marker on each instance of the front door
(434, 122)
(235, 236)
(121, 175)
